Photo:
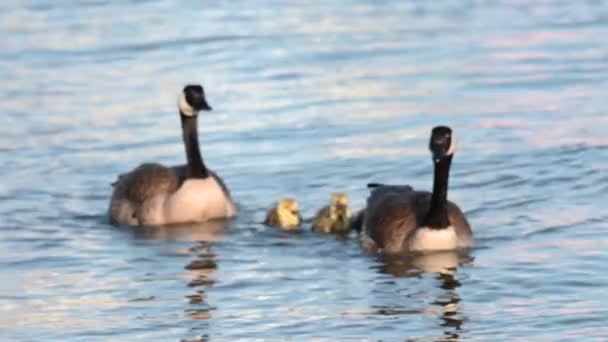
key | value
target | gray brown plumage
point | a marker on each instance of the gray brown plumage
(154, 194)
(400, 219)
(132, 190)
(393, 214)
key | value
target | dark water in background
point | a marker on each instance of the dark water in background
(309, 98)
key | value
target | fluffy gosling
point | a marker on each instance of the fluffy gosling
(285, 215)
(334, 218)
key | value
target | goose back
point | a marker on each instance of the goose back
(390, 216)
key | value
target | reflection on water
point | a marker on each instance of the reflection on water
(444, 304)
(451, 316)
(201, 268)
(442, 262)
(200, 271)
(309, 98)
(193, 232)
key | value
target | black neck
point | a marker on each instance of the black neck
(196, 167)
(437, 217)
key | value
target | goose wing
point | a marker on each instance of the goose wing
(390, 215)
(220, 181)
(148, 180)
(132, 189)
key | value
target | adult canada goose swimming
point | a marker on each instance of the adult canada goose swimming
(153, 194)
(285, 214)
(399, 219)
(334, 218)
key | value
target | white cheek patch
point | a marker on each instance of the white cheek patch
(184, 107)
(452, 148)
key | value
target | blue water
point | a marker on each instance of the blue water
(309, 98)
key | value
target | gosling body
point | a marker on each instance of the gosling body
(285, 215)
(334, 218)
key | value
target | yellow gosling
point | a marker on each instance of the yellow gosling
(285, 215)
(334, 218)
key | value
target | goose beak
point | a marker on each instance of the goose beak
(205, 106)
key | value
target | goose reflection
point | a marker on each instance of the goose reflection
(443, 266)
(199, 275)
(190, 232)
(445, 262)
(200, 268)
(452, 318)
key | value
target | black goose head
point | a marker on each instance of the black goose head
(442, 143)
(192, 100)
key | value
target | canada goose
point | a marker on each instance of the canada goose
(334, 218)
(285, 214)
(153, 194)
(399, 219)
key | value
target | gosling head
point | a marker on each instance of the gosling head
(192, 100)
(338, 207)
(289, 213)
(442, 144)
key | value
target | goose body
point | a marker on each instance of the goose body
(399, 219)
(154, 194)
(394, 222)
